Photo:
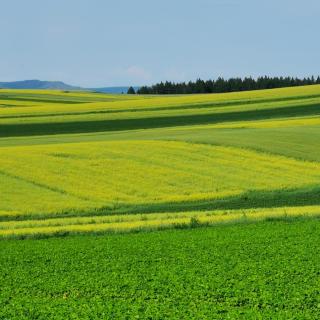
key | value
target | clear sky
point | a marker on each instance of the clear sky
(133, 42)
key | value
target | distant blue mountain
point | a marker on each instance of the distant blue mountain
(37, 84)
(114, 90)
(58, 85)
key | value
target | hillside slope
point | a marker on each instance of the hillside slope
(89, 162)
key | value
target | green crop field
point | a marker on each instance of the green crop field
(91, 170)
(268, 270)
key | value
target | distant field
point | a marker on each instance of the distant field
(152, 112)
(80, 155)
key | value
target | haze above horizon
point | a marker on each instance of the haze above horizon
(102, 43)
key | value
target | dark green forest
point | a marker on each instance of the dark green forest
(225, 85)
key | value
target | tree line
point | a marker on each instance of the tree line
(224, 85)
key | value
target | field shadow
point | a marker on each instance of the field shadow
(247, 200)
(29, 129)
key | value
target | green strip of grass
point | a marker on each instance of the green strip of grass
(11, 130)
(251, 199)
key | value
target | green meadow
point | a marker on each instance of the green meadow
(180, 207)
(265, 270)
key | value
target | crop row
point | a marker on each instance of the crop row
(152, 221)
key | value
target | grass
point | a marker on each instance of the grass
(244, 271)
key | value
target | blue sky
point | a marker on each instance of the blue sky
(109, 43)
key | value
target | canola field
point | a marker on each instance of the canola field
(77, 162)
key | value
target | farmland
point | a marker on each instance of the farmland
(268, 270)
(123, 206)
(82, 157)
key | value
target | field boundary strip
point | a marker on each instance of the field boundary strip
(155, 222)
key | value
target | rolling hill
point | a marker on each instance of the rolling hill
(150, 155)
(180, 207)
